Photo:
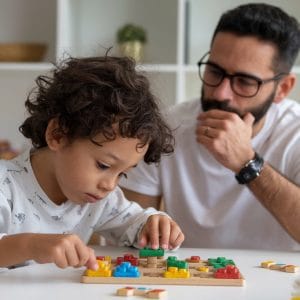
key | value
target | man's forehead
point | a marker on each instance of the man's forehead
(242, 53)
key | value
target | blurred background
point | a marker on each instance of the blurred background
(175, 34)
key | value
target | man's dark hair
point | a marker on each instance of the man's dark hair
(268, 23)
(88, 96)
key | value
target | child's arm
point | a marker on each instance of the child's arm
(122, 221)
(61, 249)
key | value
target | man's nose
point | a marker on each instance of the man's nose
(223, 92)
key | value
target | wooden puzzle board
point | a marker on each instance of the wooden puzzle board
(155, 276)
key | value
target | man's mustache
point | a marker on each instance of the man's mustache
(221, 105)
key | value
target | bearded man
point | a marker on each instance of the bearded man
(234, 178)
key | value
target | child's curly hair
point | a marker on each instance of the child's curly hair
(88, 95)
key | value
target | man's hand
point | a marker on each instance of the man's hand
(161, 231)
(227, 137)
(65, 250)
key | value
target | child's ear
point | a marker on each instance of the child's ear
(284, 87)
(54, 136)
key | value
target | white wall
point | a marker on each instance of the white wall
(14, 88)
(19, 19)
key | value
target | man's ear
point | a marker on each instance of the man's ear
(284, 87)
(54, 136)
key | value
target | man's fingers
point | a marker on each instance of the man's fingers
(249, 119)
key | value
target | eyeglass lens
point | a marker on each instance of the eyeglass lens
(242, 85)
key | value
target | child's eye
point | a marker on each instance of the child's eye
(102, 166)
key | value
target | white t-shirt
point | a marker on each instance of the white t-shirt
(24, 207)
(204, 197)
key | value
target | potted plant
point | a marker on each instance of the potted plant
(131, 39)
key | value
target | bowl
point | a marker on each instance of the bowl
(22, 52)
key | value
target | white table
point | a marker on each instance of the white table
(45, 282)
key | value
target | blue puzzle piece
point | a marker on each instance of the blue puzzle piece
(125, 269)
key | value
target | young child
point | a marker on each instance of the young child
(89, 123)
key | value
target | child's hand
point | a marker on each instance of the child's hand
(161, 231)
(65, 250)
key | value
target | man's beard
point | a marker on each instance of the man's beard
(258, 112)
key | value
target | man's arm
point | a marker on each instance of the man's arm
(143, 200)
(229, 141)
(280, 197)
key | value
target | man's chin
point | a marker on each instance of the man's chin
(258, 112)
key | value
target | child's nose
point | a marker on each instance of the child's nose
(107, 184)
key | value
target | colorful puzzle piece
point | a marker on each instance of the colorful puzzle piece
(220, 262)
(172, 261)
(129, 258)
(193, 259)
(173, 272)
(148, 252)
(104, 270)
(270, 264)
(125, 269)
(157, 294)
(229, 272)
(145, 292)
(170, 271)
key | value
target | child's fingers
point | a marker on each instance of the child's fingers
(60, 258)
(153, 231)
(76, 251)
(83, 254)
(86, 256)
(161, 231)
(176, 239)
(92, 261)
(72, 256)
(150, 232)
(164, 232)
(143, 239)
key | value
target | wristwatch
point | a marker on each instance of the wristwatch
(251, 170)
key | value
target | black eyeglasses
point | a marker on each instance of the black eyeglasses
(243, 85)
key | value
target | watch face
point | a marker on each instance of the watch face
(247, 176)
(250, 171)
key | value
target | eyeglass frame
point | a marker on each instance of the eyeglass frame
(259, 81)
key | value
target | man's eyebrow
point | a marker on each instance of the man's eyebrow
(245, 74)
(214, 64)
